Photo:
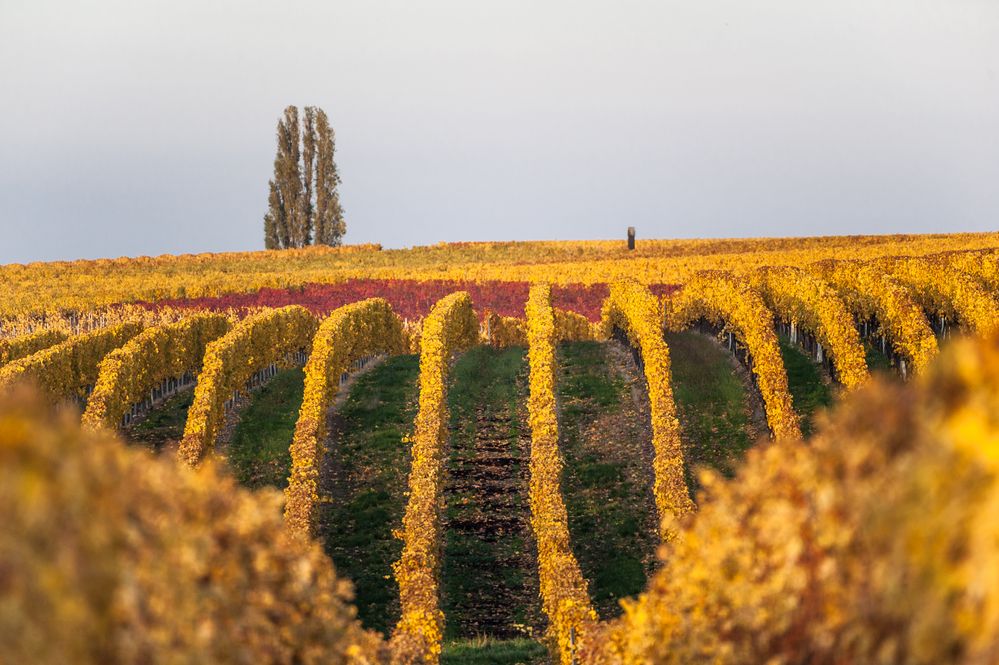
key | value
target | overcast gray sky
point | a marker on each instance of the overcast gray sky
(130, 128)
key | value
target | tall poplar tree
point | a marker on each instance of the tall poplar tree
(303, 203)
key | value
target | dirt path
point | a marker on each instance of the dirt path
(605, 438)
(489, 574)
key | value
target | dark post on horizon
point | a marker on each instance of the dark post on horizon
(631, 238)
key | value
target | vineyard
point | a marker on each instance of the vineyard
(726, 451)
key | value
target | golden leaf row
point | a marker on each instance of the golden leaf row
(128, 373)
(504, 331)
(722, 300)
(633, 309)
(350, 333)
(871, 294)
(945, 291)
(450, 327)
(507, 331)
(564, 595)
(573, 326)
(229, 361)
(799, 297)
(69, 368)
(874, 543)
(21, 346)
(983, 265)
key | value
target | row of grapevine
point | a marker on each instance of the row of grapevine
(722, 300)
(801, 298)
(947, 292)
(350, 333)
(76, 322)
(128, 373)
(573, 326)
(504, 331)
(871, 294)
(255, 342)
(983, 265)
(450, 327)
(633, 309)
(564, 595)
(70, 367)
(25, 345)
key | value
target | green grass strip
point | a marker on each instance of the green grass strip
(494, 652)
(711, 404)
(606, 481)
(368, 492)
(259, 451)
(163, 424)
(809, 393)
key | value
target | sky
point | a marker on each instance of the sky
(143, 128)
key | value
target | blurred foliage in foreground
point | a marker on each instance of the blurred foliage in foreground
(109, 555)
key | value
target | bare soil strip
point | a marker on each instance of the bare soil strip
(489, 572)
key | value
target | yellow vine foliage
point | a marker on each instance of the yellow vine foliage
(74, 322)
(111, 556)
(411, 330)
(350, 333)
(875, 543)
(504, 331)
(983, 265)
(632, 308)
(798, 296)
(870, 293)
(723, 300)
(21, 346)
(574, 327)
(947, 292)
(253, 343)
(450, 328)
(507, 331)
(85, 285)
(127, 374)
(564, 595)
(67, 369)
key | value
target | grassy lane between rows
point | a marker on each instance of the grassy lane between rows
(711, 404)
(365, 475)
(605, 438)
(259, 453)
(809, 392)
(877, 362)
(164, 425)
(484, 651)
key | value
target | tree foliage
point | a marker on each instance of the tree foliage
(303, 204)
